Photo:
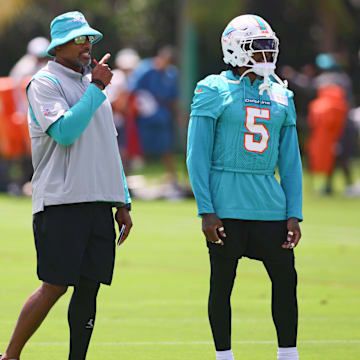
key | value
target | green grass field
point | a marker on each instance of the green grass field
(156, 308)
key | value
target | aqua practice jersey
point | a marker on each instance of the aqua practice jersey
(236, 140)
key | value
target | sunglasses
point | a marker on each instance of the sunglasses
(82, 39)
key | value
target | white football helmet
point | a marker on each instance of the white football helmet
(245, 36)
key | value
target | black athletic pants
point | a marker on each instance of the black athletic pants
(260, 240)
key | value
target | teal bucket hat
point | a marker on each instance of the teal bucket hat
(68, 26)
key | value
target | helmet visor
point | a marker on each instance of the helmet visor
(264, 44)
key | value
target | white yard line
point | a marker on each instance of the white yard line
(166, 343)
(202, 320)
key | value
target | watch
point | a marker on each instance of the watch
(99, 82)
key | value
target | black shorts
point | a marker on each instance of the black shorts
(260, 240)
(75, 240)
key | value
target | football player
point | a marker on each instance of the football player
(242, 127)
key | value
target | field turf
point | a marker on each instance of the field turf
(156, 308)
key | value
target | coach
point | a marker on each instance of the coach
(78, 179)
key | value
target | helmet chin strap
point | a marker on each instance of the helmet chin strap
(245, 73)
(266, 70)
(265, 86)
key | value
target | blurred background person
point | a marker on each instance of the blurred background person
(155, 83)
(301, 82)
(16, 168)
(308, 83)
(124, 108)
(34, 59)
(354, 115)
(345, 148)
(327, 118)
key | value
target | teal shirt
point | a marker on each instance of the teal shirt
(236, 139)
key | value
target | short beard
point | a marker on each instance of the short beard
(82, 64)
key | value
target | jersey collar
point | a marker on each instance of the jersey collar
(230, 76)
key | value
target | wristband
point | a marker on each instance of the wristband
(99, 82)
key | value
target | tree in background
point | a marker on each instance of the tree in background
(142, 24)
(305, 28)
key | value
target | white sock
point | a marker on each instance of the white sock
(224, 355)
(289, 353)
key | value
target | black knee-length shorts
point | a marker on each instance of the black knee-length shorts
(75, 240)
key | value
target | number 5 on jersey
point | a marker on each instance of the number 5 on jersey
(253, 113)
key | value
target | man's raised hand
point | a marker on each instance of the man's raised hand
(102, 71)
